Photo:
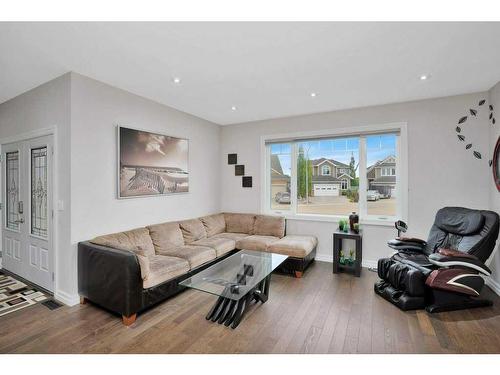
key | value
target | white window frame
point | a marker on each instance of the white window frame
(399, 128)
(323, 170)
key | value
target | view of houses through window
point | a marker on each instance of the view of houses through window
(381, 174)
(327, 179)
(280, 172)
(327, 175)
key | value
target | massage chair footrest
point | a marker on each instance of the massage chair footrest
(397, 297)
(445, 301)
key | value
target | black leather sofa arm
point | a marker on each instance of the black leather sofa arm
(110, 278)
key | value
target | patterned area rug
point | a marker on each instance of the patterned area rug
(16, 295)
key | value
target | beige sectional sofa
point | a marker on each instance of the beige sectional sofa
(158, 257)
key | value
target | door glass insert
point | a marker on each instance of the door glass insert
(12, 189)
(39, 192)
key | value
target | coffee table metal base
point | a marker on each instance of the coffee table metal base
(230, 312)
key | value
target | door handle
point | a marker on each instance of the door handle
(21, 220)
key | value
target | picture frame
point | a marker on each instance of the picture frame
(150, 164)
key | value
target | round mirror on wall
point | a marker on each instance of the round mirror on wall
(496, 164)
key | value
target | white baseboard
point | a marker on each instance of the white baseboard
(366, 263)
(494, 285)
(67, 299)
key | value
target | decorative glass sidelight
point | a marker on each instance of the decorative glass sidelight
(12, 190)
(39, 205)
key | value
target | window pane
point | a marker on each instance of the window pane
(381, 174)
(327, 179)
(39, 192)
(12, 189)
(281, 170)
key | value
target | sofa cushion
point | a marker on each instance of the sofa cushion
(266, 225)
(239, 223)
(294, 246)
(231, 236)
(219, 244)
(128, 240)
(166, 236)
(192, 230)
(195, 255)
(255, 242)
(214, 224)
(163, 268)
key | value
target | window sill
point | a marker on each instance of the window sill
(389, 222)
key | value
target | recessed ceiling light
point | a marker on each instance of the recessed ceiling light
(233, 108)
(313, 94)
(424, 77)
(176, 80)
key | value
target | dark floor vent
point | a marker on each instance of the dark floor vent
(51, 304)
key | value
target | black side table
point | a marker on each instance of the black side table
(354, 268)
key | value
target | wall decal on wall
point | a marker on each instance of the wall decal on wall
(462, 123)
(239, 170)
(232, 158)
(247, 181)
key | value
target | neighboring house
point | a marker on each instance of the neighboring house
(382, 176)
(280, 182)
(329, 177)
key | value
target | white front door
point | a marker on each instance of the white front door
(27, 210)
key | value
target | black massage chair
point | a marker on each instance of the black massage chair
(444, 272)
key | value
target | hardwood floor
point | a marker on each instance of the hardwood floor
(319, 313)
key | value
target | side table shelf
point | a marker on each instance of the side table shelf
(355, 268)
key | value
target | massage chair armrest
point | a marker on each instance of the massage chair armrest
(454, 258)
(407, 244)
(412, 240)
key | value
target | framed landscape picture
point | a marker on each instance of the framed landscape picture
(151, 164)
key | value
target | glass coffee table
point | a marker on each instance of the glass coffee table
(238, 280)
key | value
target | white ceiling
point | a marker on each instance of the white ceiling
(266, 70)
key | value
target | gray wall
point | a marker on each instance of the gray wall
(96, 110)
(494, 193)
(441, 172)
(86, 113)
(48, 106)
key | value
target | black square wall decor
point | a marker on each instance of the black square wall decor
(239, 170)
(232, 158)
(247, 181)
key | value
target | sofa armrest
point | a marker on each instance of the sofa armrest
(110, 278)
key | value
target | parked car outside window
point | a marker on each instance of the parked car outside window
(372, 195)
(282, 198)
